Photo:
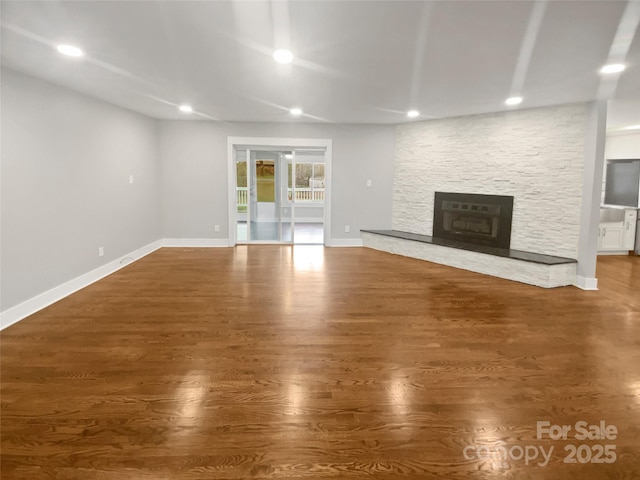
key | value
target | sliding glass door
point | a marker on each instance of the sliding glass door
(280, 195)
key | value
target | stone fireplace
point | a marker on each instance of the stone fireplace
(473, 218)
(473, 232)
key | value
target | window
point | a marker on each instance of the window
(309, 181)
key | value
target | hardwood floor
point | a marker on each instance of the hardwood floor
(306, 362)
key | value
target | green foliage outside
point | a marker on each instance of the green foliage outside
(265, 178)
(265, 171)
(304, 172)
(241, 169)
(266, 189)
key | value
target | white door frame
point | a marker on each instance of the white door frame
(255, 143)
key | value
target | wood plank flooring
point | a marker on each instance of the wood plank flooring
(274, 362)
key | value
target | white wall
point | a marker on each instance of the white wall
(194, 174)
(66, 161)
(622, 146)
(536, 155)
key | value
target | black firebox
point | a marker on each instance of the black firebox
(473, 218)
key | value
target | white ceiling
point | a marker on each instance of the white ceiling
(356, 61)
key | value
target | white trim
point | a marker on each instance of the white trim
(195, 242)
(614, 252)
(288, 142)
(328, 174)
(232, 198)
(344, 242)
(584, 283)
(29, 307)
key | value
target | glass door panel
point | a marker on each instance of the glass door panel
(286, 200)
(309, 196)
(263, 225)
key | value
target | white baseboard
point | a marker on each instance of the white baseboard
(344, 242)
(614, 252)
(29, 307)
(585, 283)
(195, 242)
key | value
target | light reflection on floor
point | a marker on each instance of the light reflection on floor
(308, 258)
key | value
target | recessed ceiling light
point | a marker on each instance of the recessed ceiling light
(513, 101)
(632, 127)
(288, 156)
(295, 111)
(283, 56)
(613, 68)
(185, 108)
(413, 113)
(70, 50)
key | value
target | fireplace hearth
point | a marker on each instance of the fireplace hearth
(473, 218)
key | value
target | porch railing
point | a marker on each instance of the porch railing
(307, 194)
(242, 196)
(302, 195)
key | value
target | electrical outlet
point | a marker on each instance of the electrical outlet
(347, 229)
(101, 251)
(130, 178)
(216, 228)
(369, 183)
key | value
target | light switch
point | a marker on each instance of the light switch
(369, 183)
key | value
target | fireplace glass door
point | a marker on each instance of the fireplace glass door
(473, 218)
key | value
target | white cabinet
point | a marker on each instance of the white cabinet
(629, 233)
(610, 236)
(619, 235)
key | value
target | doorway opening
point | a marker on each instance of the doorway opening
(279, 191)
